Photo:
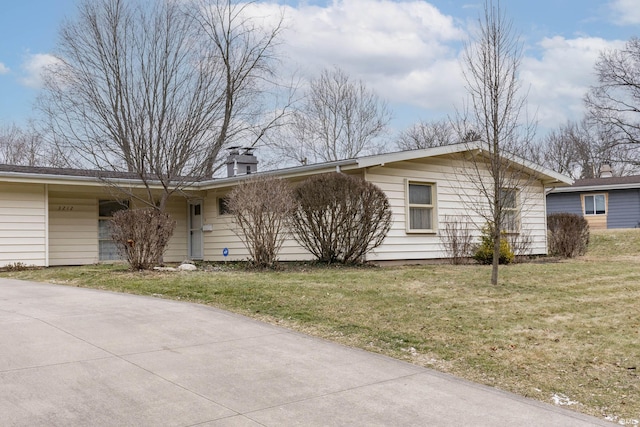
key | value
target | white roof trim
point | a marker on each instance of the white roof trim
(592, 188)
(63, 179)
(381, 159)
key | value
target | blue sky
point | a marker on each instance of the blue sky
(405, 50)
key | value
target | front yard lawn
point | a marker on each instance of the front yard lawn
(565, 332)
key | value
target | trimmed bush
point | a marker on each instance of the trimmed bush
(142, 235)
(339, 218)
(484, 251)
(261, 208)
(568, 235)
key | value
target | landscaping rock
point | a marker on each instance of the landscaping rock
(165, 268)
(187, 267)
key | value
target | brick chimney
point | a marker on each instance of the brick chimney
(241, 161)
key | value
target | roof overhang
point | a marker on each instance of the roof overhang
(548, 177)
(53, 179)
(592, 188)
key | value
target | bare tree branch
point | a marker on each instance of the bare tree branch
(339, 118)
(615, 101)
(491, 61)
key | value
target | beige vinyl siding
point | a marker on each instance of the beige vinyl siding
(455, 194)
(533, 216)
(222, 236)
(73, 226)
(177, 248)
(454, 197)
(23, 224)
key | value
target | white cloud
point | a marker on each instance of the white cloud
(406, 51)
(560, 78)
(33, 66)
(4, 69)
(626, 12)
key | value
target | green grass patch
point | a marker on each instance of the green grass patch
(567, 328)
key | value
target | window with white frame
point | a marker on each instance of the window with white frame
(420, 206)
(510, 210)
(595, 204)
(107, 249)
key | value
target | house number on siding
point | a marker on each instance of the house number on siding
(65, 208)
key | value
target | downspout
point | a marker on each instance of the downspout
(545, 237)
(46, 225)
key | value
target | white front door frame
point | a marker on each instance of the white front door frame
(195, 247)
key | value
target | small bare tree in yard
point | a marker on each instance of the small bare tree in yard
(141, 235)
(340, 218)
(491, 61)
(457, 238)
(261, 208)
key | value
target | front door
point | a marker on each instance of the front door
(195, 230)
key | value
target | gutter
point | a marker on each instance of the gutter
(596, 188)
(80, 179)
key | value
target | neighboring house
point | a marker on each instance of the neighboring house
(611, 202)
(59, 216)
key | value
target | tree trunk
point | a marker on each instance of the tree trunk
(496, 256)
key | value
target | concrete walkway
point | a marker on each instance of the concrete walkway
(81, 357)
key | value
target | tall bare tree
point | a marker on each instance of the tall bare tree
(490, 64)
(615, 100)
(425, 134)
(339, 118)
(139, 86)
(246, 52)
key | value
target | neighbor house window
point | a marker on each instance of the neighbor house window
(107, 249)
(595, 204)
(510, 210)
(421, 206)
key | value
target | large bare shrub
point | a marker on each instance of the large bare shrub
(457, 238)
(261, 208)
(568, 234)
(340, 218)
(142, 235)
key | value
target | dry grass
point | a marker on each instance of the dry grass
(565, 331)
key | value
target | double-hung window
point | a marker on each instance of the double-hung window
(595, 204)
(107, 249)
(510, 210)
(420, 207)
(223, 208)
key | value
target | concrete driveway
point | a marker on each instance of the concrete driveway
(81, 357)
